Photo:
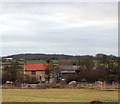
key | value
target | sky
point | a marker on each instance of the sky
(59, 28)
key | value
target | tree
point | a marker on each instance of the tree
(87, 75)
(85, 63)
(90, 75)
(48, 71)
(109, 62)
(6, 77)
(72, 77)
(13, 70)
(56, 73)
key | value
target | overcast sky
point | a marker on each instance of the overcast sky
(59, 28)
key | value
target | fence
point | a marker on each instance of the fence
(99, 85)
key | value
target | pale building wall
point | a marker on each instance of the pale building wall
(37, 75)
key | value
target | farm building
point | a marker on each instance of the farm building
(65, 70)
(4, 59)
(36, 70)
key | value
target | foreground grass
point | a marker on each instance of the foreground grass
(57, 95)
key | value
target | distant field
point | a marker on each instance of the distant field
(57, 95)
(9, 62)
(42, 61)
(36, 62)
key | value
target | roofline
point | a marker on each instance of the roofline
(34, 70)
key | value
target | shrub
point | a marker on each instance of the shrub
(27, 79)
(33, 80)
(72, 77)
(6, 77)
(46, 86)
(88, 75)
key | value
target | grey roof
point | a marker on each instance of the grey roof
(67, 71)
(68, 68)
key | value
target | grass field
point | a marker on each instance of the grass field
(58, 95)
(35, 62)
(42, 61)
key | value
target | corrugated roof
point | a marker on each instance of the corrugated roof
(33, 67)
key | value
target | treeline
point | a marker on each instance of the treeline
(107, 69)
(55, 56)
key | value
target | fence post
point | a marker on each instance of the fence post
(113, 84)
(104, 85)
(101, 85)
(97, 85)
(117, 85)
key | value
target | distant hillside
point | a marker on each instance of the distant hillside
(46, 56)
(55, 56)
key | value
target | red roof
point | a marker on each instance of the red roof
(32, 67)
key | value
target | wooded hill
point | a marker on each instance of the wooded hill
(53, 56)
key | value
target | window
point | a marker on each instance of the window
(46, 79)
(40, 77)
(33, 72)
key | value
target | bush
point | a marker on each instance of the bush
(33, 80)
(14, 69)
(88, 75)
(46, 86)
(72, 77)
(111, 78)
(6, 77)
(27, 79)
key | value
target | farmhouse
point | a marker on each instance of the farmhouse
(36, 70)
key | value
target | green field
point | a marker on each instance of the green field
(43, 61)
(10, 63)
(35, 62)
(58, 95)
